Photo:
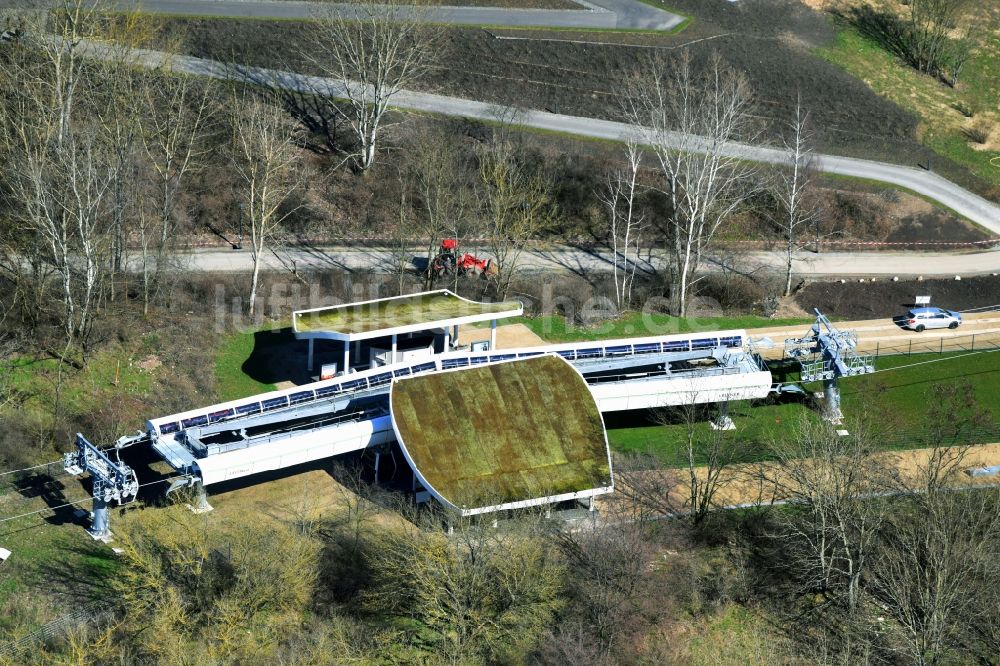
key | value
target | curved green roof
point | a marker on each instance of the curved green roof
(499, 436)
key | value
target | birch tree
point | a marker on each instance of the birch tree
(793, 190)
(60, 162)
(176, 110)
(373, 51)
(625, 222)
(690, 117)
(266, 159)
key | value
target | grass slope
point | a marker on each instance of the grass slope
(555, 328)
(501, 433)
(231, 379)
(896, 395)
(942, 126)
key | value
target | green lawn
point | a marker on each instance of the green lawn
(555, 328)
(231, 380)
(896, 396)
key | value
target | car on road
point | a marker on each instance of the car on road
(919, 319)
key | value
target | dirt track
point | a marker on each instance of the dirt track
(761, 484)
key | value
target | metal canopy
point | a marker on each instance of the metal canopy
(399, 315)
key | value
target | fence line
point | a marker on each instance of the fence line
(964, 343)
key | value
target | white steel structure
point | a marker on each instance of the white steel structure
(336, 416)
(394, 319)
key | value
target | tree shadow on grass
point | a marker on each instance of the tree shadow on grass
(882, 27)
(81, 573)
(51, 491)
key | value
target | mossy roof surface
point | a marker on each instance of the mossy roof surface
(436, 307)
(507, 432)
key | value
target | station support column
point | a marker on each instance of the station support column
(309, 361)
(493, 334)
(394, 346)
(99, 520)
(347, 357)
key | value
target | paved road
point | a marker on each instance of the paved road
(619, 14)
(979, 331)
(931, 185)
(846, 265)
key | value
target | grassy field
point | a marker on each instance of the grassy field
(555, 328)
(943, 126)
(894, 396)
(232, 380)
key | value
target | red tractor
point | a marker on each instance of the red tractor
(449, 262)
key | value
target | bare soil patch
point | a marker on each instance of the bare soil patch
(509, 336)
(754, 484)
(884, 299)
(580, 73)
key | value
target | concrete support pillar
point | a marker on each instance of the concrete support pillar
(447, 341)
(347, 358)
(590, 503)
(394, 345)
(201, 504)
(454, 333)
(309, 361)
(493, 334)
(722, 420)
(356, 352)
(450, 528)
(831, 401)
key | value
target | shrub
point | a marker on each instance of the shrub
(979, 132)
(965, 108)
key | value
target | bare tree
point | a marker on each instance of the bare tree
(625, 222)
(928, 38)
(689, 118)
(60, 169)
(940, 548)
(442, 191)
(266, 159)
(176, 109)
(793, 189)
(402, 231)
(707, 454)
(374, 51)
(516, 204)
(837, 481)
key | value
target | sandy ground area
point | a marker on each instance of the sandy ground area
(765, 483)
(509, 336)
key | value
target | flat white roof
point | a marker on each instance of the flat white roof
(398, 315)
